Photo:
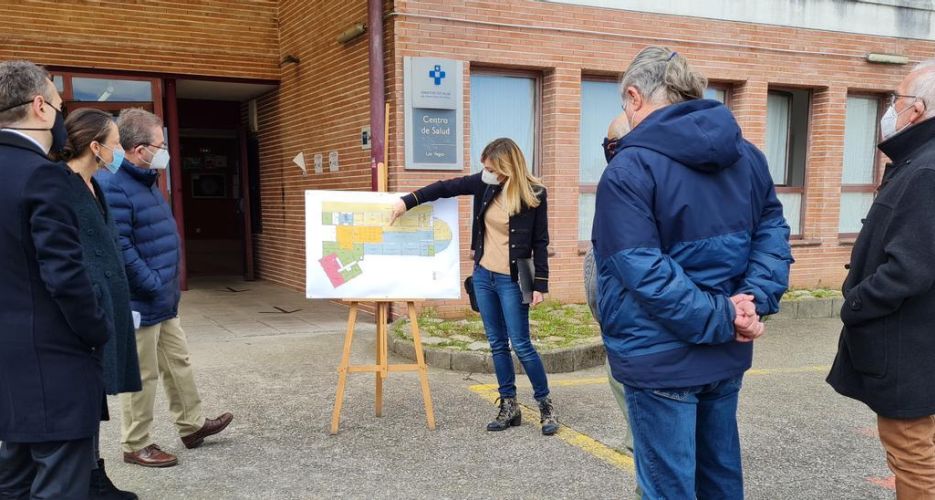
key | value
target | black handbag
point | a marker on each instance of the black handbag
(469, 288)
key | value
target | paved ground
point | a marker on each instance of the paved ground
(276, 372)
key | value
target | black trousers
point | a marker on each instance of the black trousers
(54, 470)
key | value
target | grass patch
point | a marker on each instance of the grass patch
(552, 325)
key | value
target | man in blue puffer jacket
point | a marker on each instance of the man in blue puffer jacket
(150, 244)
(691, 248)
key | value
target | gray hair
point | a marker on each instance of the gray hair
(923, 85)
(20, 83)
(136, 127)
(662, 76)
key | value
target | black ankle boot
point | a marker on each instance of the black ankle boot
(547, 417)
(103, 489)
(509, 416)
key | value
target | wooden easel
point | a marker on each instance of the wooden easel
(382, 367)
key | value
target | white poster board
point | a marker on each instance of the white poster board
(352, 251)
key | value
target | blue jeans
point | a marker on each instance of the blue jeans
(506, 321)
(686, 441)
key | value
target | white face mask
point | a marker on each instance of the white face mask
(489, 177)
(888, 122)
(160, 160)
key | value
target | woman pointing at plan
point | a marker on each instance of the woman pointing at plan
(511, 267)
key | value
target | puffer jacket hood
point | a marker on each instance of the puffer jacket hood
(700, 134)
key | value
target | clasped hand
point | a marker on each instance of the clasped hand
(747, 324)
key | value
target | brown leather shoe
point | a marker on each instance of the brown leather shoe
(210, 428)
(151, 456)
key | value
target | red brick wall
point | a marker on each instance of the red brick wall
(562, 42)
(320, 106)
(229, 38)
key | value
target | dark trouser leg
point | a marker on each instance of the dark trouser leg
(17, 471)
(63, 469)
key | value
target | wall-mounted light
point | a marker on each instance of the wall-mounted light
(352, 33)
(289, 59)
(887, 59)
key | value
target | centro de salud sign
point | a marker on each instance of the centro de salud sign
(434, 113)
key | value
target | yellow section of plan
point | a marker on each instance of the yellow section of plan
(417, 219)
(349, 235)
(442, 231)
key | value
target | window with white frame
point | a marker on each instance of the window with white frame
(504, 105)
(600, 104)
(859, 173)
(787, 116)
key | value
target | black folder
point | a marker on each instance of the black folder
(526, 274)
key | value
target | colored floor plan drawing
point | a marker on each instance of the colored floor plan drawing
(352, 231)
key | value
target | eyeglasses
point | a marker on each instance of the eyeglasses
(892, 98)
(148, 145)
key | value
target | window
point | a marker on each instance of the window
(600, 104)
(110, 94)
(716, 92)
(111, 90)
(787, 115)
(858, 177)
(504, 105)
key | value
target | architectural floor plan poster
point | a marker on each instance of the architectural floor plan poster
(354, 253)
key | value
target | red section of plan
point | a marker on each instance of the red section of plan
(330, 264)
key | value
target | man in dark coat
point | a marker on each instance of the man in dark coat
(51, 324)
(886, 355)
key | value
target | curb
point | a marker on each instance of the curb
(810, 309)
(558, 361)
(583, 356)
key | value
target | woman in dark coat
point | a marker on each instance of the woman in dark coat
(93, 143)
(511, 267)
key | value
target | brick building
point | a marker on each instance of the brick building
(246, 85)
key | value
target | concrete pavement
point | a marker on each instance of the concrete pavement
(275, 371)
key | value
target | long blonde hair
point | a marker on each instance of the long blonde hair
(521, 189)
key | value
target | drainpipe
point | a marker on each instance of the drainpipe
(377, 86)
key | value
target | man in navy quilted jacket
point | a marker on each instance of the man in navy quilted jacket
(691, 248)
(150, 243)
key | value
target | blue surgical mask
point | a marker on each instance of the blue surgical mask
(114, 164)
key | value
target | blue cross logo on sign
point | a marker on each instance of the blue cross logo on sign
(437, 74)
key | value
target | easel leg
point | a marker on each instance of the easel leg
(342, 368)
(423, 370)
(381, 356)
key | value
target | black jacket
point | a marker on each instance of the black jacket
(886, 351)
(104, 263)
(529, 229)
(51, 323)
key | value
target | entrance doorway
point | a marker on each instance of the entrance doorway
(214, 168)
(217, 176)
(211, 171)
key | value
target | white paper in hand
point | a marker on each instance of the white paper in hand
(136, 319)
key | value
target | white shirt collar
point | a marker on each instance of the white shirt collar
(17, 132)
